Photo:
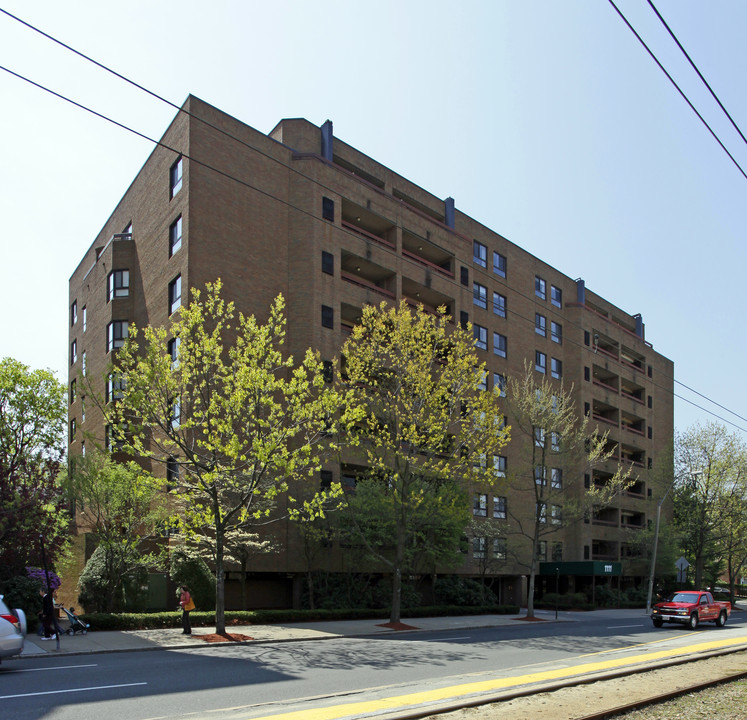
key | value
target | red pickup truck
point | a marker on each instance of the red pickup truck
(691, 607)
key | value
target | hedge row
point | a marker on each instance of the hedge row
(151, 621)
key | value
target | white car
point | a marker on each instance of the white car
(12, 630)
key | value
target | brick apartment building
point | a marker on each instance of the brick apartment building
(301, 213)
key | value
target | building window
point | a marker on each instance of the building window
(115, 384)
(328, 209)
(539, 437)
(116, 334)
(499, 384)
(556, 515)
(73, 352)
(83, 448)
(172, 347)
(328, 317)
(326, 479)
(499, 548)
(557, 552)
(556, 478)
(463, 319)
(540, 510)
(73, 391)
(84, 366)
(556, 332)
(540, 362)
(500, 463)
(175, 178)
(74, 313)
(540, 324)
(556, 296)
(479, 295)
(482, 383)
(176, 413)
(500, 507)
(499, 304)
(328, 263)
(85, 318)
(500, 344)
(172, 473)
(479, 254)
(464, 276)
(540, 287)
(118, 284)
(72, 430)
(481, 336)
(175, 236)
(480, 508)
(555, 441)
(175, 294)
(478, 548)
(327, 371)
(540, 475)
(499, 264)
(556, 368)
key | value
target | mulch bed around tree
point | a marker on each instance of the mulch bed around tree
(398, 626)
(530, 619)
(225, 637)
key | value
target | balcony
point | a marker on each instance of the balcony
(604, 413)
(368, 225)
(632, 391)
(350, 315)
(605, 379)
(633, 424)
(636, 490)
(416, 293)
(605, 346)
(427, 254)
(359, 271)
(608, 517)
(632, 520)
(604, 550)
(632, 359)
(633, 455)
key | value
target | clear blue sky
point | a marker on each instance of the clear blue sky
(545, 120)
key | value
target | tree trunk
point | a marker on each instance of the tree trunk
(395, 614)
(532, 575)
(220, 590)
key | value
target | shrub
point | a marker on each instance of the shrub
(459, 591)
(191, 570)
(23, 592)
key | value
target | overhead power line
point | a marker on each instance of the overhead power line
(695, 67)
(159, 143)
(679, 90)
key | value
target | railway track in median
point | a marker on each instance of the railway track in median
(627, 692)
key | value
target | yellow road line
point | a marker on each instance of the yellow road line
(402, 702)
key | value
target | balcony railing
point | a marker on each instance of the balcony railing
(632, 397)
(427, 263)
(603, 419)
(362, 282)
(367, 235)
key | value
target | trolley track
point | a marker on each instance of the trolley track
(594, 698)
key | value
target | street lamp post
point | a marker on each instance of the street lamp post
(653, 558)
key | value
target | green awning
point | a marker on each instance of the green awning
(585, 567)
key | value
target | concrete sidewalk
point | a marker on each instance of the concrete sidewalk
(172, 638)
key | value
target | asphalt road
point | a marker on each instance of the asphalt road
(259, 681)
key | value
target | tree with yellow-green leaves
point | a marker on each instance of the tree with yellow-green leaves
(557, 446)
(425, 433)
(231, 418)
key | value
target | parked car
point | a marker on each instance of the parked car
(691, 607)
(12, 630)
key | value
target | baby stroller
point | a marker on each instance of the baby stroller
(76, 624)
